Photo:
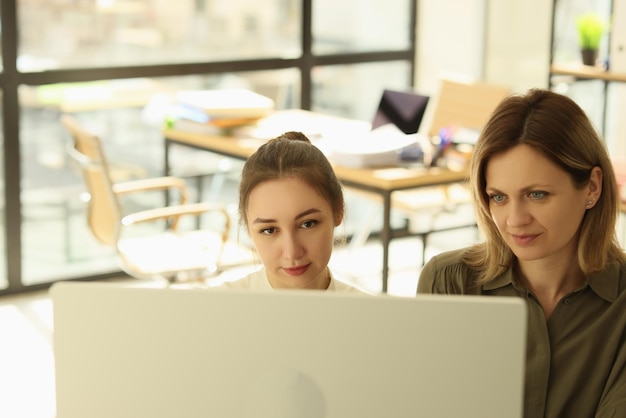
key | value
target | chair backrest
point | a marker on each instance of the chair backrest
(466, 105)
(104, 207)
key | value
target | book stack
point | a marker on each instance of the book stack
(216, 110)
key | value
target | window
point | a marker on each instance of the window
(113, 63)
(104, 33)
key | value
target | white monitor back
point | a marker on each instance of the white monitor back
(162, 353)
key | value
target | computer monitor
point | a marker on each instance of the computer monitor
(145, 352)
(404, 109)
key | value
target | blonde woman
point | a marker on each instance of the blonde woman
(547, 202)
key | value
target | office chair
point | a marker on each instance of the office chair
(175, 253)
(467, 105)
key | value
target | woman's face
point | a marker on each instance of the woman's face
(292, 228)
(535, 205)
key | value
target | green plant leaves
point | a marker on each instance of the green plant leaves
(591, 28)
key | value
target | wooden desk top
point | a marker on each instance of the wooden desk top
(382, 179)
(587, 72)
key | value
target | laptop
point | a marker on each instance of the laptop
(404, 109)
(145, 352)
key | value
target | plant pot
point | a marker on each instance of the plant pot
(590, 56)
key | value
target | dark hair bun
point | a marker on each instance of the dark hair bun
(294, 136)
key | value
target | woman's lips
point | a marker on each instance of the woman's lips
(296, 271)
(523, 239)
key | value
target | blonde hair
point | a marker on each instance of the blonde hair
(558, 128)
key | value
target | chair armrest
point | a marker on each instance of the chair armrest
(152, 184)
(176, 212)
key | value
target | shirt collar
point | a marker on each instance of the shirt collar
(504, 279)
(604, 283)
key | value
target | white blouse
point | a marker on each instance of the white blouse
(258, 281)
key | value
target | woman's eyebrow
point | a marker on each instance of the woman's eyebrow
(307, 212)
(298, 216)
(263, 221)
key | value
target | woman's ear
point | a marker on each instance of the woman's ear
(594, 187)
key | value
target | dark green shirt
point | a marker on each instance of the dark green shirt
(575, 361)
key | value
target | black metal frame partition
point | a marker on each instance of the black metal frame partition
(11, 79)
(606, 81)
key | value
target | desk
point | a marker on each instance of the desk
(382, 181)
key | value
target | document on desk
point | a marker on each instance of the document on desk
(314, 125)
(378, 147)
(349, 143)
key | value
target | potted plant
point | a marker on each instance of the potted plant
(591, 28)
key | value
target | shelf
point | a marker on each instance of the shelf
(586, 72)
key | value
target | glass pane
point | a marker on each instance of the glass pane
(104, 33)
(360, 25)
(128, 116)
(54, 200)
(354, 91)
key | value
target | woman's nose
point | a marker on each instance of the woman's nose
(292, 248)
(518, 214)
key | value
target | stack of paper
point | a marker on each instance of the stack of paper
(379, 147)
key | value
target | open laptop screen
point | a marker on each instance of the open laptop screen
(403, 109)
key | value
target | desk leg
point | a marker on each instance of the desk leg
(166, 156)
(166, 166)
(386, 237)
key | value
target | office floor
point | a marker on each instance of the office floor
(26, 356)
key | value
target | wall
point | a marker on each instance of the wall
(449, 44)
(518, 36)
(483, 39)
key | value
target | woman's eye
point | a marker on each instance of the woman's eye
(309, 224)
(537, 195)
(267, 231)
(497, 198)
